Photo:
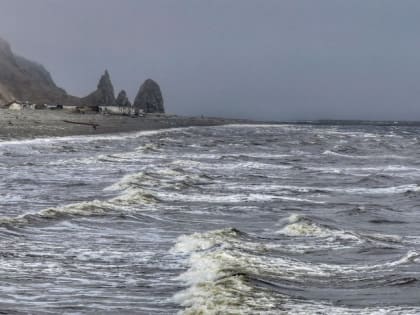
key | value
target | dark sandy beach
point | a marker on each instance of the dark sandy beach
(51, 123)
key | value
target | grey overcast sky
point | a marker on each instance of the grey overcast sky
(265, 59)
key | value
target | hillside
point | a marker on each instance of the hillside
(25, 80)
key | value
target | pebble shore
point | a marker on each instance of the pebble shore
(28, 123)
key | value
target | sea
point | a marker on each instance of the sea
(235, 219)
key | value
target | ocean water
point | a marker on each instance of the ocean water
(267, 219)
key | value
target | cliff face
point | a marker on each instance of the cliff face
(104, 94)
(25, 80)
(149, 98)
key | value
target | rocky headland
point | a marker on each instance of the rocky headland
(28, 93)
(28, 82)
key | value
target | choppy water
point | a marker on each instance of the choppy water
(216, 220)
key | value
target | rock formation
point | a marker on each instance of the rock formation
(104, 94)
(122, 100)
(24, 80)
(27, 81)
(149, 98)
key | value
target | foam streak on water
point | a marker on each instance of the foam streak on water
(214, 220)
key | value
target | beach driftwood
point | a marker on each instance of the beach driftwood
(93, 125)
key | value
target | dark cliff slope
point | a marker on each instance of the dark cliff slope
(25, 80)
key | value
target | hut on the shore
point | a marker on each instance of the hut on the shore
(120, 110)
(16, 105)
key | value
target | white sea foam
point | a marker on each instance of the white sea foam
(132, 196)
(233, 253)
(160, 178)
(129, 196)
(88, 138)
(211, 287)
(89, 208)
(128, 181)
(273, 188)
(401, 171)
(301, 226)
(370, 157)
(220, 262)
(379, 191)
(305, 307)
(267, 126)
(228, 166)
(230, 198)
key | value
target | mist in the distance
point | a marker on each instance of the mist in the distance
(276, 60)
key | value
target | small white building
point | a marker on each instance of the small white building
(18, 105)
(15, 106)
(119, 110)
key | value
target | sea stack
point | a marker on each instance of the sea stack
(122, 99)
(149, 98)
(104, 94)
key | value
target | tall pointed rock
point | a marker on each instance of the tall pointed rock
(149, 98)
(104, 94)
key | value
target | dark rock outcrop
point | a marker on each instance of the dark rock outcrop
(149, 98)
(104, 94)
(25, 80)
(122, 100)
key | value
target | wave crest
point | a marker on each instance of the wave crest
(228, 271)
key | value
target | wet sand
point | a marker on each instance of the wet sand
(51, 123)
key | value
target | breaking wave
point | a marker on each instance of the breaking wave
(128, 197)
(229, 271)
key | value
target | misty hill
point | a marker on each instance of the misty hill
(25, 80)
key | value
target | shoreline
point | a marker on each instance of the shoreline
(28, 124)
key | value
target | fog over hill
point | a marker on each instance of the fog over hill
(25, 80)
